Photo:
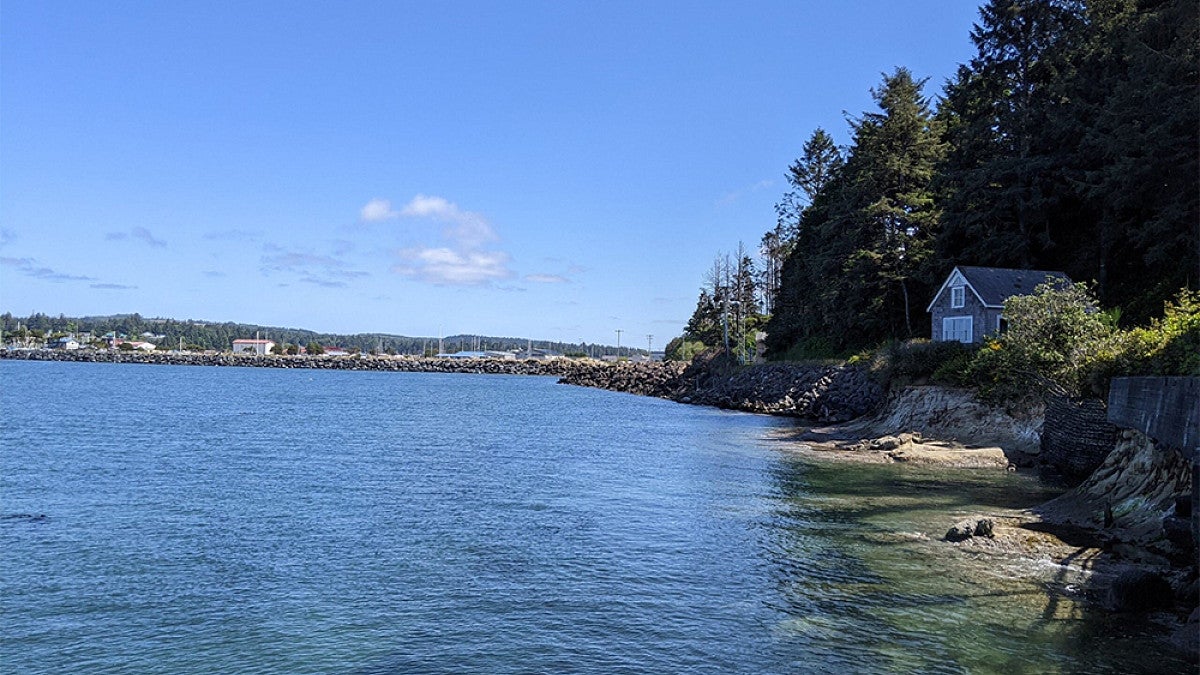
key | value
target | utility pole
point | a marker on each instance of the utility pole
(725, 320)
(619, 331)
(649, 342)
(737, 321)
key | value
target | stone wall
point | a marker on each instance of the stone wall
(1165, 408)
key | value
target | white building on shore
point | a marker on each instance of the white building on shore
(256, 347)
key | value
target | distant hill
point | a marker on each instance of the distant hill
(220, 335)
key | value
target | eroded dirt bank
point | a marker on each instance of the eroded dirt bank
(932, 425)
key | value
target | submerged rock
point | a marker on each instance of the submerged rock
(1138, 590)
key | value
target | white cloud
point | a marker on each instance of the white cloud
(467, 228)
(463, 257)
(377, 210)
(445, 266)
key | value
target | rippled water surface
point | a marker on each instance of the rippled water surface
(162, 519)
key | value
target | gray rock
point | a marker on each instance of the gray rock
(961, 531)
(984, 527)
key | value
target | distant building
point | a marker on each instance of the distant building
(138, 345)
(538, 354)
(65, 342)
(508, 356)
(336, 351)
(970, 304)
(257, 347)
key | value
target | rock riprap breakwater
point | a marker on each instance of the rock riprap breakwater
(405, 364)
(824, 393)
(827, 393)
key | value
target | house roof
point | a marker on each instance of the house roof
(253, 342)
(994, 285)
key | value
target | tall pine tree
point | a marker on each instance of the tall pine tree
(858, 273)
(1002, 186)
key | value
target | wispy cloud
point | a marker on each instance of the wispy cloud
(214, 274)
(378, 210)
(7, 236)
(113, 287)
(564, 276)
(231, 235)
(463, 257)
(324, 283)
(312, 268)
(731, 197)
(280, 260)
(138, 233)
(547, 278)
(30, 268)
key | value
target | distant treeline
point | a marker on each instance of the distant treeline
(1070, 142)
(220, 336)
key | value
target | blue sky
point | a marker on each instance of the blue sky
(556, 170)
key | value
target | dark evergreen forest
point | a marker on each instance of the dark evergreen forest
(1069, 142)
(198, 335)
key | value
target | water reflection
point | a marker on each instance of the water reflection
(857, 558)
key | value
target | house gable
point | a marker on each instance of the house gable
(956, 278)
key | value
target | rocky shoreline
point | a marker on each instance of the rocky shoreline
(823, 393)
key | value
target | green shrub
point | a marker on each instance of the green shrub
(1059, 341)
(808, 349)
(682, 349)
(911, 361)
(956, 370)
(1168, 346)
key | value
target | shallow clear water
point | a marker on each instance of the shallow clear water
(279, 521)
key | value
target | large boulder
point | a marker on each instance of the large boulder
(963, 530)
(1138, 590)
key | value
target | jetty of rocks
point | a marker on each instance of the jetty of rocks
(827, 393)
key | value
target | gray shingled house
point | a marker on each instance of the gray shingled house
(970, 304)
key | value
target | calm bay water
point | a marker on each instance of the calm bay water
(161, 519)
